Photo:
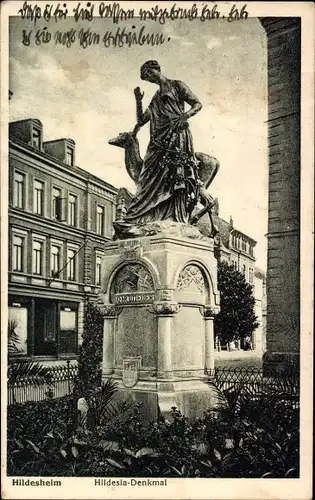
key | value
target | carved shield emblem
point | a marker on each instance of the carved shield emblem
(131, 371)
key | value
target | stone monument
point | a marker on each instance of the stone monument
(159, 290)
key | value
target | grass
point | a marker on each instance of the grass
(248, 362)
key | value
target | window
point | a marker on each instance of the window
(36, 138)
(234, 264)
(56, 327)
(251, 250)
(68, 333)
(98, 261)
(56, 203)
(100, 220)
(244, 245)
(244, 269)
(69, 156)
(45, 327)
(251, 275)
(71, 265)
(19, 190)
(55, 260)
(72, 210)
(38, 197)
(37, 257)
(18, 318)
(18, 246)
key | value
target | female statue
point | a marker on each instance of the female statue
(167, 184)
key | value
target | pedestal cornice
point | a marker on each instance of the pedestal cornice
(209, 312)
(109, 310)
(163, 308)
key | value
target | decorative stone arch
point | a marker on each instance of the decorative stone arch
(210, 288)
(145, 263)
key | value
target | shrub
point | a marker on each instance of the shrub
(36, 432)
(90, 354)
(248, 436)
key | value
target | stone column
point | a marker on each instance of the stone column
(283, 275)
(165, 312)
(110, 313)
(208, 313)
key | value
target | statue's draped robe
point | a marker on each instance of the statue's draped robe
(164, 186)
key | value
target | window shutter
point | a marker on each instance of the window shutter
(64, 209)
(57, 208)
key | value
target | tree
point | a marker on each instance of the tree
(91, 351)
(237, 318)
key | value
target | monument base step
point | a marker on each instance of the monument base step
(191, 397)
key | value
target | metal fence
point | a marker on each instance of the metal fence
(227, 376)
(286, 384)
(62, 378)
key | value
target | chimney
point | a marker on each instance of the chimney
(121, 209)
(215, 208)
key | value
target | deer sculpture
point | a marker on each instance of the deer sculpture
(207, 166)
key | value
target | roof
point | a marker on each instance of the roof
(125, 194)
(80, 171)
(223, 227)
(259, 273)
(59, 140)
(224, 231)
(35, 120)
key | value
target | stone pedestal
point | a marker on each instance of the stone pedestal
(159, 297)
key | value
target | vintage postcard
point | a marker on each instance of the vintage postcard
(157, 196)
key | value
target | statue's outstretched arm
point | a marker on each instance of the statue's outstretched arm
(145, 118)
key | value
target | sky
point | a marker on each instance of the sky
(87, 95)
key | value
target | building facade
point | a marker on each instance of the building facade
(238, 249)
(60, 216)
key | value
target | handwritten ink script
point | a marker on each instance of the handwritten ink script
(120, 35)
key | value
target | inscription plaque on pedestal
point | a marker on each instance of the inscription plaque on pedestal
(131, 371)
(126, 299)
